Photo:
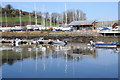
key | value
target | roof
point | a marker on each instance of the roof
(85, 22)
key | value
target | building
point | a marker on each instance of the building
(83, 25)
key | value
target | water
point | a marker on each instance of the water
(74, 60)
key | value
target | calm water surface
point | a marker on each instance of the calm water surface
(74, 60)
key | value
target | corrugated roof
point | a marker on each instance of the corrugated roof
(82, 22)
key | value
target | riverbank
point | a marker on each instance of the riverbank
(71, 36)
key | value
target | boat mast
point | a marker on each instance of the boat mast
(57, 19)
(73, 17)
(6, 18)
(20, 17)
(43, 17)
(65, 14)
(35, 15)
(62, 17)
(50, 19)
(29, 19)
(79, 16)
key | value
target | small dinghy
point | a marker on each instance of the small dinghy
(103, 45)
(17, 42)
(59, 42)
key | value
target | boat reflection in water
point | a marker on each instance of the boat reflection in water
(43, 57)
(11, 54)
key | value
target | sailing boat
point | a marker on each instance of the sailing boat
(16, 42)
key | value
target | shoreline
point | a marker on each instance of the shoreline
(70, 36)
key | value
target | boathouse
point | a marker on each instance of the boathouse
(83, 25)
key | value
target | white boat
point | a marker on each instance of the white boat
(17, 42)
(59, 42)
(104, 45)
(50, 41)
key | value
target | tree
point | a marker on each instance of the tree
(73, 15)
(9, 7)
(54, 18)
(13, 13)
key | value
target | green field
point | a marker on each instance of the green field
(17, 19)
(23, 19)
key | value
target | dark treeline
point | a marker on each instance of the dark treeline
(11, 12)
(55, 17)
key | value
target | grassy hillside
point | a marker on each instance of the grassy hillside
(23, 19)
(17, 19)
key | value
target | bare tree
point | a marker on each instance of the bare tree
(74, 15)
(9, 7)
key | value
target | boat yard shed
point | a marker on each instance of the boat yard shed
(83, 25)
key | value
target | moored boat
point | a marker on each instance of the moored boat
(59, 42)
(102, 44)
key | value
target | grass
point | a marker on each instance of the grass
(23, 19)
(17, 19)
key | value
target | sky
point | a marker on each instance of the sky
(100, 11)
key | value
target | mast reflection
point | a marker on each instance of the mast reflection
(70, 52)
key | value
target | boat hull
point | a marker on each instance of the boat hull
(104, 45)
